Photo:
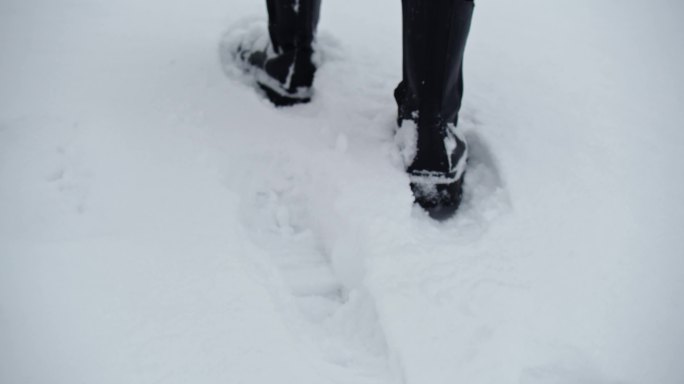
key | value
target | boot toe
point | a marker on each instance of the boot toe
(440, 200)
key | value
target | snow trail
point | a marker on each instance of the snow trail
(338, 323)
(289, 209)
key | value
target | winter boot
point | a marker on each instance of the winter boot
(429, 99)
(284, 68)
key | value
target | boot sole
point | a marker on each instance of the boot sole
(280, 100)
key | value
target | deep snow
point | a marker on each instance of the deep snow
(161, 222)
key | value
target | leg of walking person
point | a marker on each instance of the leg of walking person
(429, 96)
(285, 70)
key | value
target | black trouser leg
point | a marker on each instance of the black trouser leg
(292, 23)
(287, 73)
(434, 38)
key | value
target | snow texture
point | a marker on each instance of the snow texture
(161, 222)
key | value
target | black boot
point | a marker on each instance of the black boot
(429, 96)
(284, 69)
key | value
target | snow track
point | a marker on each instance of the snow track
(336, 323)
(290, 196)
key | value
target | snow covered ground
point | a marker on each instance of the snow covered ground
(160, 222)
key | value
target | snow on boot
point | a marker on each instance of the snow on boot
(283, 66)
(429, 99)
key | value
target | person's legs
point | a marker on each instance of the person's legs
(434, 38)
(429, 95)
(285, 70)
(292, 23)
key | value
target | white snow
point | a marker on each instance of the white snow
(161, 222)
